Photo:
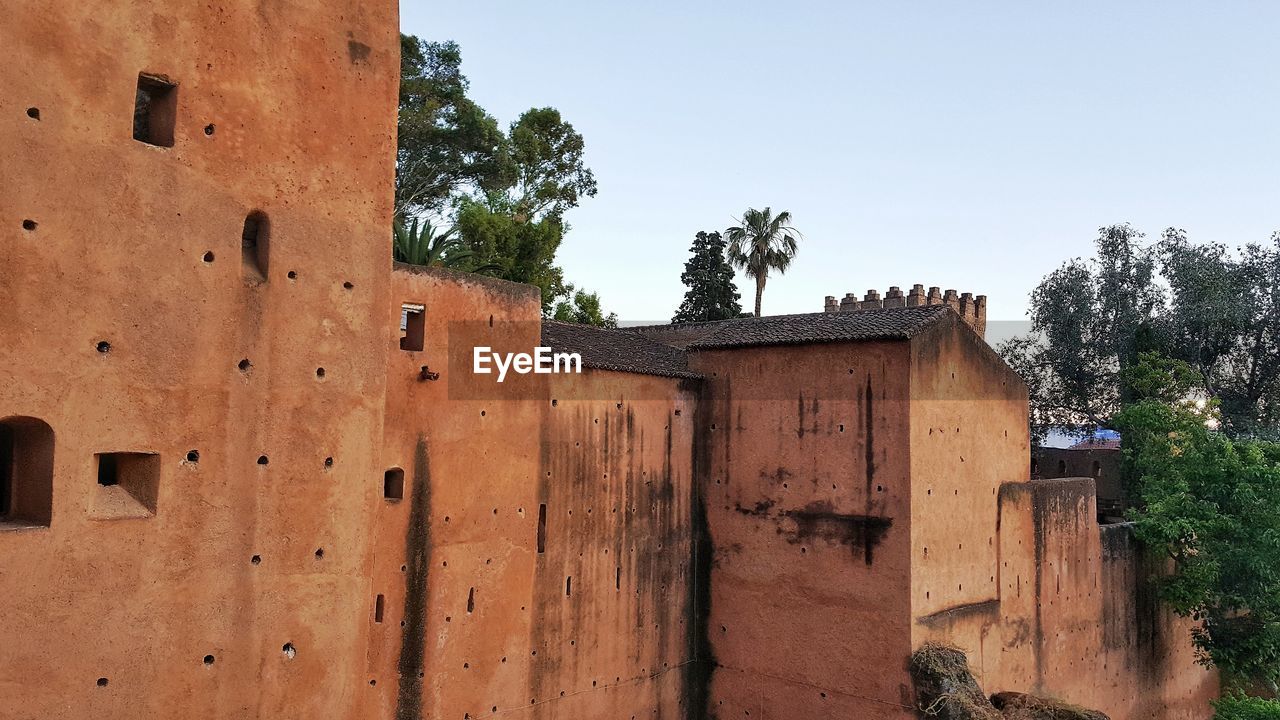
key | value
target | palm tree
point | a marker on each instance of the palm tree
(428, 246)
(762, 242)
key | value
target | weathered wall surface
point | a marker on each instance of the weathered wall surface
(128, 313)
(1019, 574)
(1075, 617)
(541, 558)
(615, 600)
(808, 507)
(968, 435)
(1101, 464)
(454, 558)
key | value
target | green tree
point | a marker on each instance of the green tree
(580, 306)
(1211, 506)
(430, 247)
(761, 243)
(508, 192)
(551, 175)
(1091, 318)
(446, 143)
(507, 248)
(712, 294)
(1224, 319)
(1243, 707)
(1089, 321)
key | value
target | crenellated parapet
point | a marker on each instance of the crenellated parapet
(972, 308)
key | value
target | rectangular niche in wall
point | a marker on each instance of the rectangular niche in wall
(128, 484)
(413, 326)
(155, 110)
(26, 473)
(393, 485)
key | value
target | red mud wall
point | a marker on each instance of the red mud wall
(614, 601)
(132, 324)
(488, 609)
(968, 435)
(453, 557)
(808, 513)
(1019, 574)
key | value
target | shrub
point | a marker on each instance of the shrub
(1242, 707)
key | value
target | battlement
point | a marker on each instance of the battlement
(973, 309)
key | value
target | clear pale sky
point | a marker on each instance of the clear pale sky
(969, 145)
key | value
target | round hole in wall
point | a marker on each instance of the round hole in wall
(102, 682)
(328, 462)
(193, 456)
(103, 346)
(373, 682)
(554, 402)
(288, 650)
(208, 129)
(29, 225)
(347, 286)
(293, 274)
(244, 365)
(481, 413)
(256, 559)
(208, 257)
(262, 460)
(208, 659)
(319, 553)
(34, 114)
(320, 372)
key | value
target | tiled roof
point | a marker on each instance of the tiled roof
(873, 324)
(616, 350)
(1097, 444)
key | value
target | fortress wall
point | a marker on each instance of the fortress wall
(1019, 574)
(614, 612)
(968, 435)
(128, 310)
(1076, 618)
(454, 557)
(586, 614)
(809, 519)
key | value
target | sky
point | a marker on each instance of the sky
(969, 145)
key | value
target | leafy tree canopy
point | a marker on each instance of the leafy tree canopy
(712, 294)
(761, 243)
(506, 193)
(550, 173)
(510, 249)
(1217, 310)
(583, 307)
(1211, 505)
(447, 144)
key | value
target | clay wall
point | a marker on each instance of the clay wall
(616, 604)
(1101, 464)
(808, 507)
(215, 567)
(541, 559)
(454, 556)
(968, 435)
(1075, 617)
(1019, 574)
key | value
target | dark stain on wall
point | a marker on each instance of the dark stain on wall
(357, 51)
(417, 560)
(819, 520)
(870, 457)
(702, 662)
(985, 608)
